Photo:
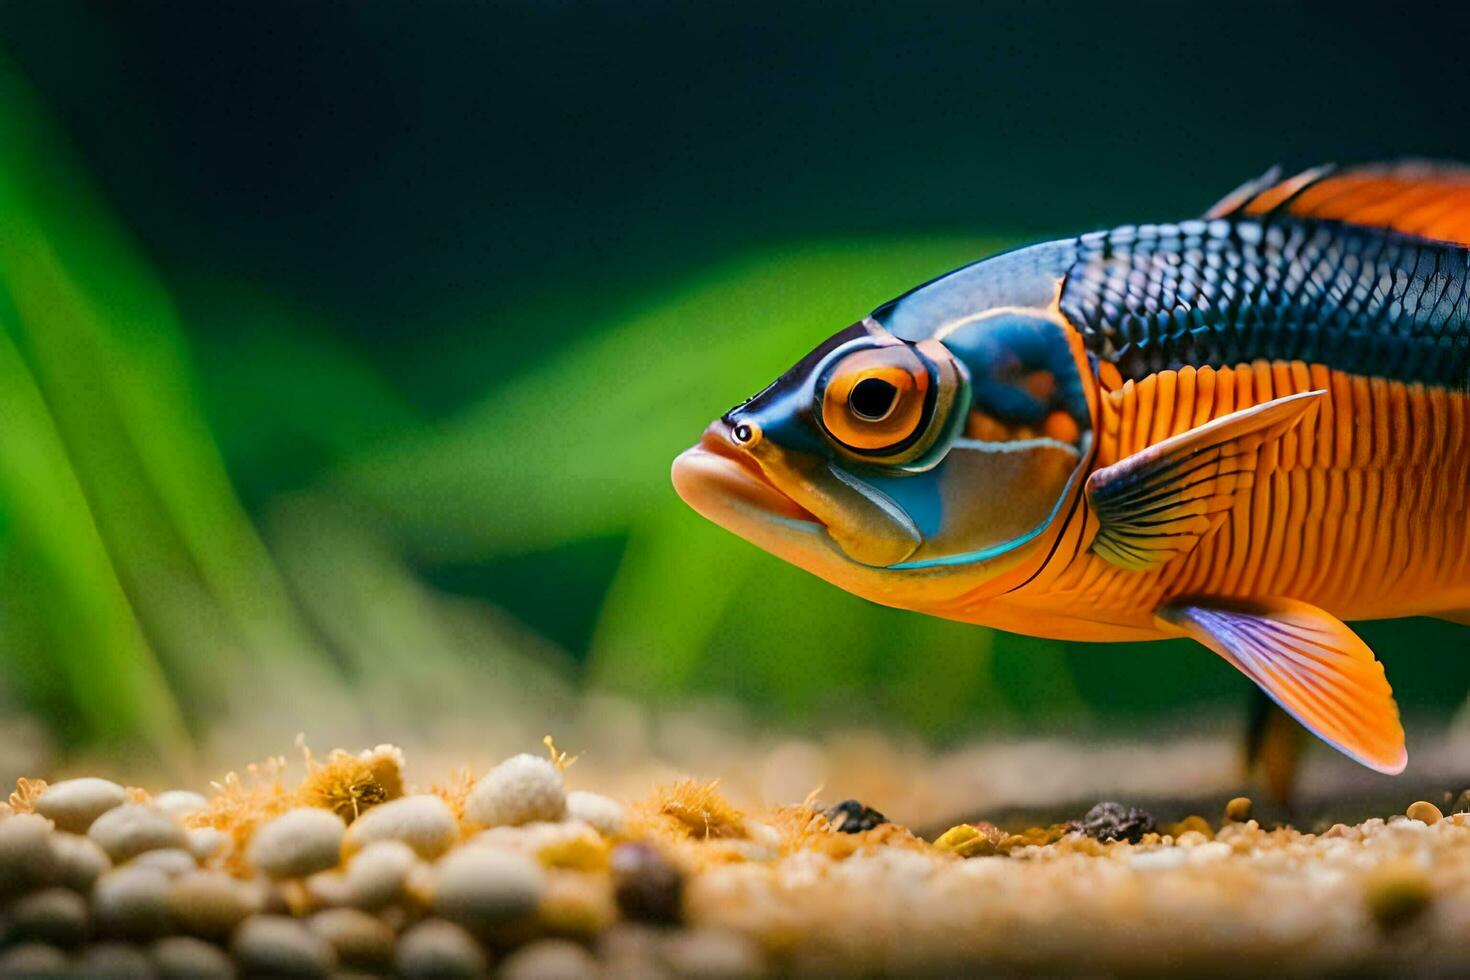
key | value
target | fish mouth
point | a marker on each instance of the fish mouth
(730, 488)
(724, 485)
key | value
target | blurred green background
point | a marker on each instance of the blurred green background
(346, 345)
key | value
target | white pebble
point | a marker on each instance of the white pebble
(533, 838)
(482, 887)
(33, 960)
(172, 861)
(208, 842)
(1160, 860)
(605, 815)
(376, 875)
(550, 959)
(187, 958)
(114, 961)
(210, 904)
(52, 915)
(132, 903)
(26, 858)
(128, 830)
(74, 803)
(328, 889)
(80, 861)
(522, 789)
(423, 822)
(361, 941)
(297, 843)
(763, 834)
(1210, 852)
(439, 950)
(274, 945)
(714, 954)
(180, 802)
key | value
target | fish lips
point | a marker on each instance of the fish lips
(729, 487)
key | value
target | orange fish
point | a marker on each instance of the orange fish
(1244, 429)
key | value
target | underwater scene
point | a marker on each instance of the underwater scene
(561, 489)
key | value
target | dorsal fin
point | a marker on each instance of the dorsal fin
(1416, 197)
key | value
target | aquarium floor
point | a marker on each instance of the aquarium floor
(511, 875)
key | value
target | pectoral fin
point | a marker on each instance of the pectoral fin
(1311, 664)
(1159, 502)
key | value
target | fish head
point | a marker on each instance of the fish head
(890, 465)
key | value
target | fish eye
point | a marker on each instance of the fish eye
(875, 399)
(743, 433)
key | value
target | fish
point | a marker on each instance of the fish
(1247, 428)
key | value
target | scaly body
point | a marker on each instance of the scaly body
(1360, 511)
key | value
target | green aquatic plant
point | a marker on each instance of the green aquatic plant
(138, 588)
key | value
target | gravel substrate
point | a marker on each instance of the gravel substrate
(353, 870)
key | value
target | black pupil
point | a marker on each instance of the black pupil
(872, 398)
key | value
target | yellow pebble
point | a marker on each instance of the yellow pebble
(587, 853)
(577, 904)
(1425, 811)
(1194, 822)
(1238, 810)
(955, 836)
(981, 846)
(966, 841)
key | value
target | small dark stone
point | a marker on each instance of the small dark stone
(648, 887)
(1114, 821)
(851, 817)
